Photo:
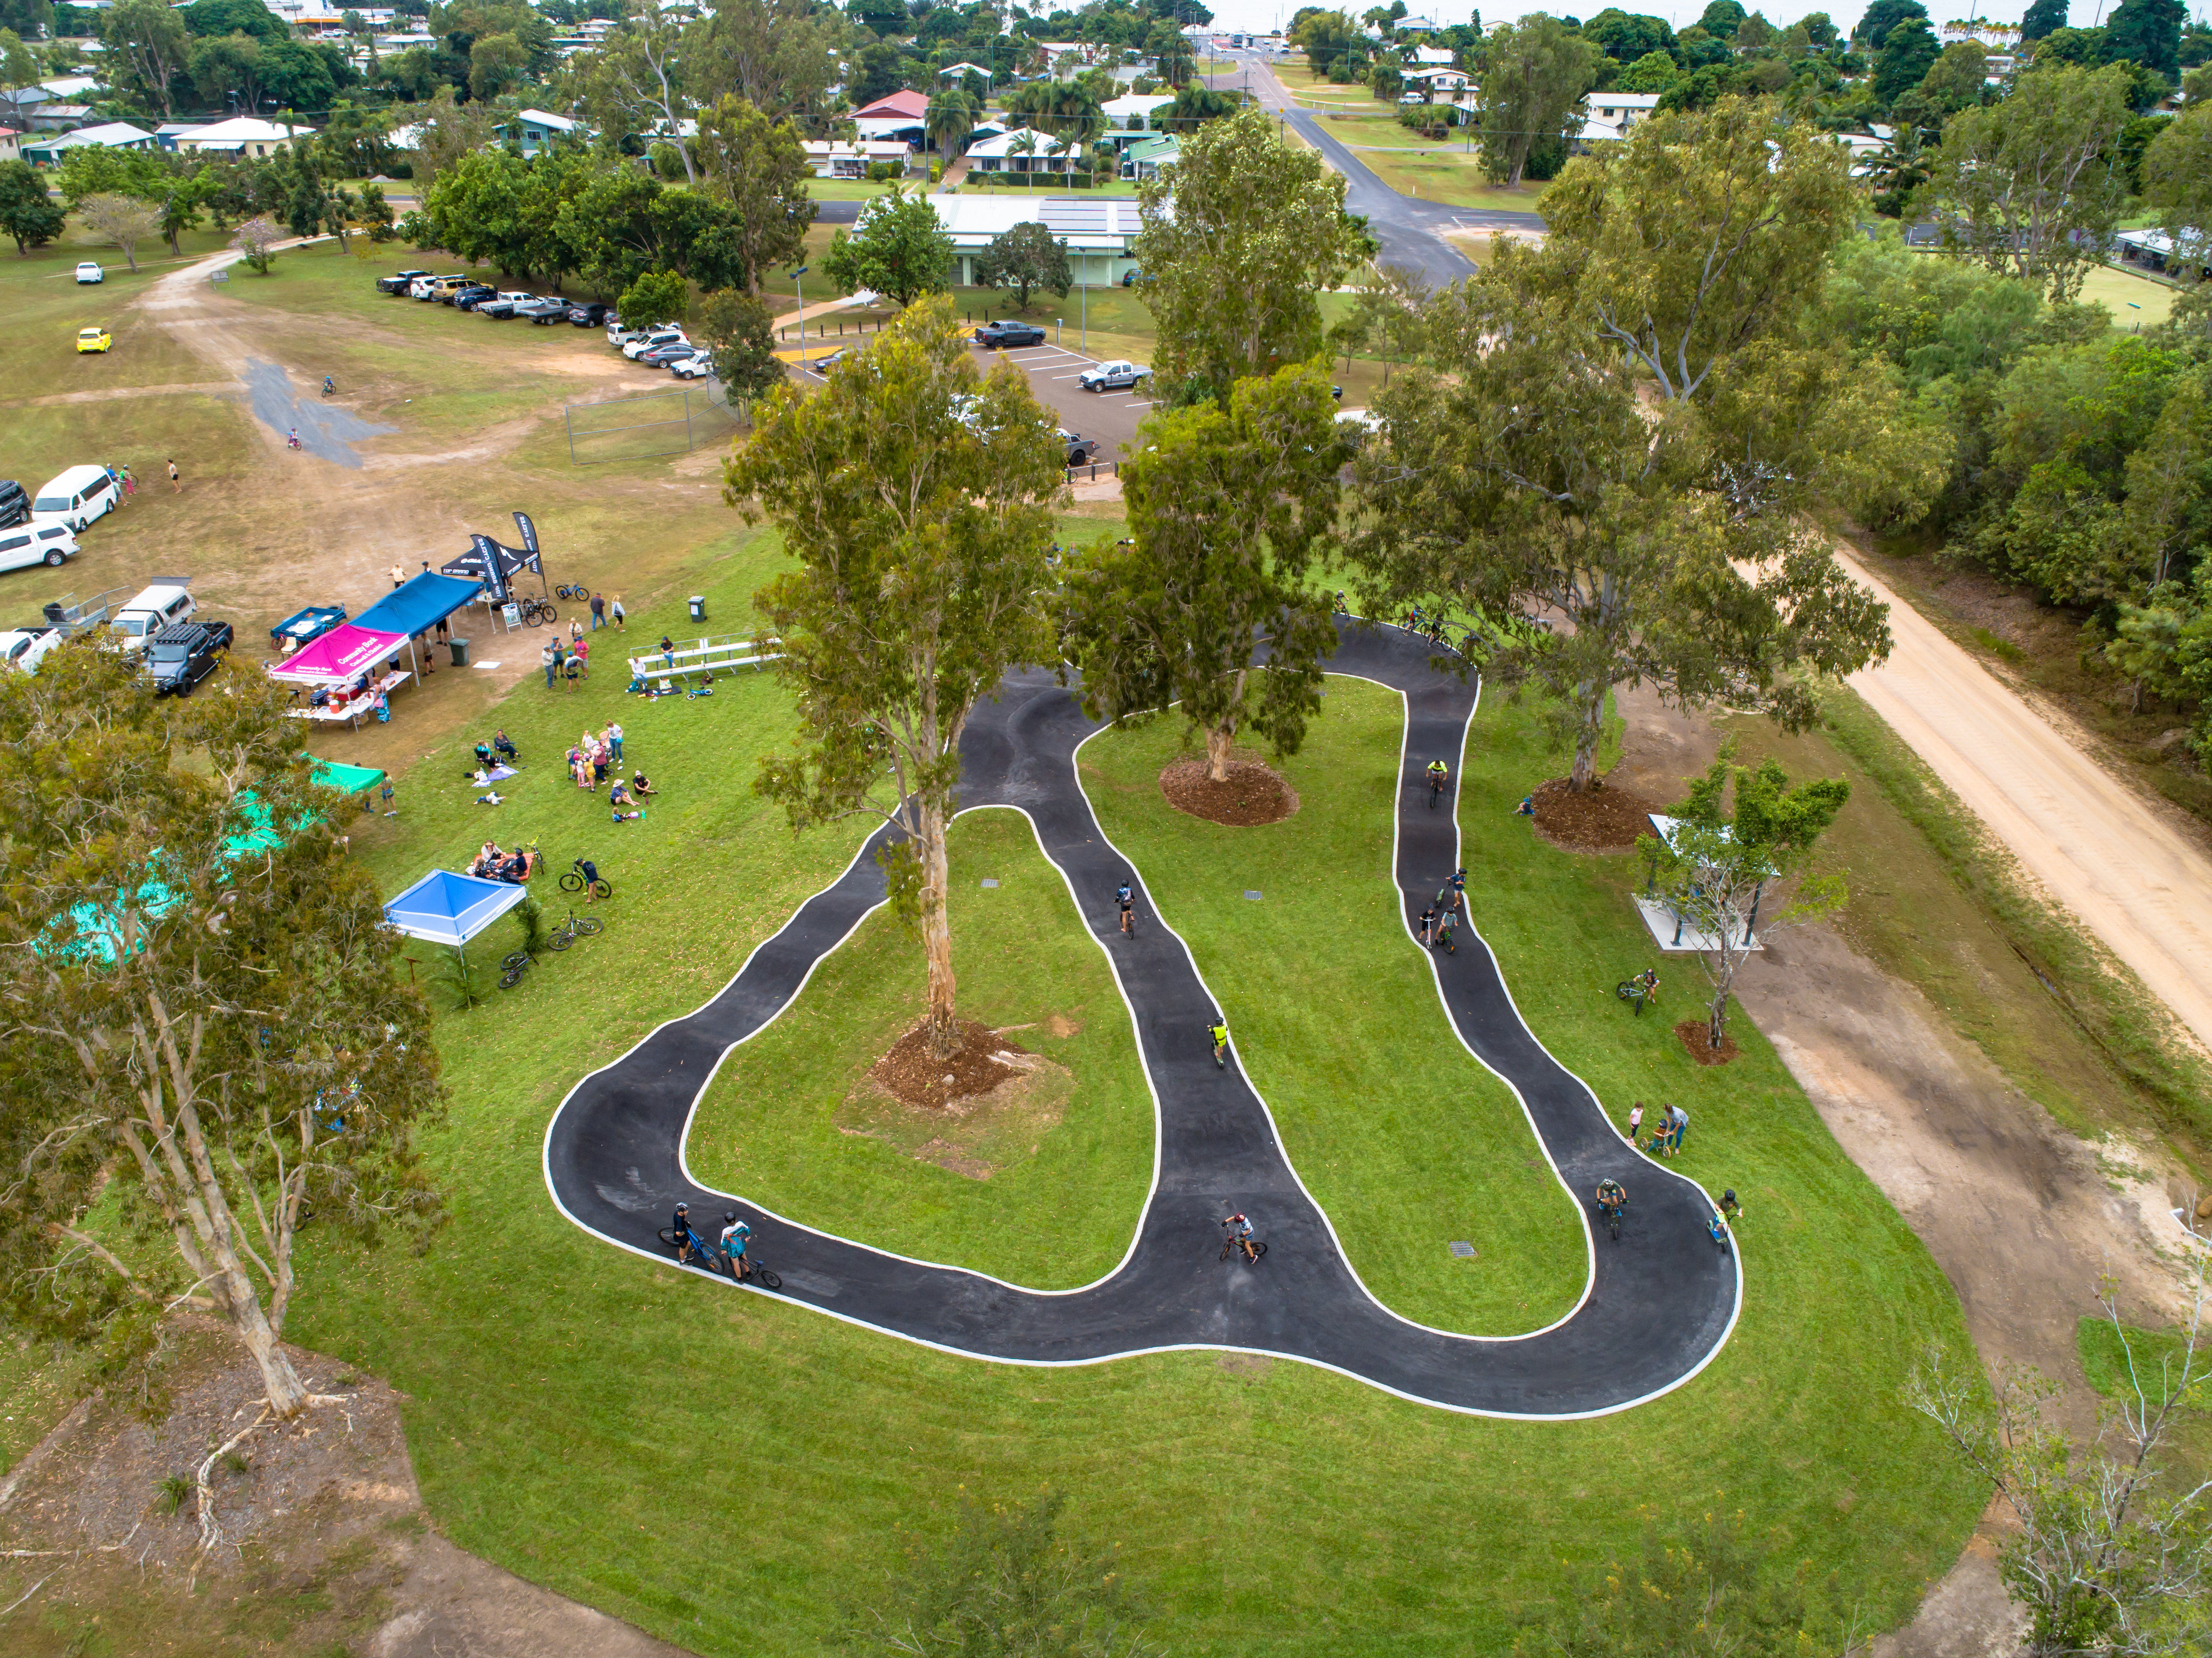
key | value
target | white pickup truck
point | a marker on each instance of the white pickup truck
(1112, 376)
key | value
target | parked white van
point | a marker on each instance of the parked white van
(165, 602)
(77, 496)
(36, 543)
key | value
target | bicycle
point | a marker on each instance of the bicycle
(1253, 1248)
(704, 1256)
(754, 1272)
(575, 881)
(536, 612)
(573, 928)
(571, 590)
(1643, 988)
(709, 1259)
(512, 968)
(1610, 1213)
(330, 387)
(1436, 781)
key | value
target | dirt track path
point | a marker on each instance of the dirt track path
(2096, 846)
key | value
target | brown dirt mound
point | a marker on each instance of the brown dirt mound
(1694, 1033)
(1251, 795)
(1600, 819)
(910, 1072)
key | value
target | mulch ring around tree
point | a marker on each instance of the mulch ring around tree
(1251, 795)
(1599, 819)
(1696, 1037)
(981, 1060)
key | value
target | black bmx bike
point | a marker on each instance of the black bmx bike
(536, 612)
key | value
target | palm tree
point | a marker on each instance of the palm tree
(1074, 114)
(952, 119)
(1024, 144)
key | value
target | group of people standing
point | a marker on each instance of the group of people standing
(1667, 1133)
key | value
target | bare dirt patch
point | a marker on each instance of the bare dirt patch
(975, 1135)
(1694, 1035)
(324, 1548)
(981, 1060)
(1060, 1027)
(1603, 818)
(1251, 795)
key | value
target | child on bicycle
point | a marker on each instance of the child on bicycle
(1217, 1033)
(1239, 1229)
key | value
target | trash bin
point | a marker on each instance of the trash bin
(460, 650)
(698, 607)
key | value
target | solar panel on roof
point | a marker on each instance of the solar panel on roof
(1067, 217)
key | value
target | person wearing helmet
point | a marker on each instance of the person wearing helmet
(1612, 1199)
(1439, 776)
(686, 1239)
(1238, 1235)
(1217, 1033)
(735, 1235)
(1124, 898)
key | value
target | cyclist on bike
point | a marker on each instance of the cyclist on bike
(1439, 775)
(686, 1239)
(1217, 1033)
(330, 385)
(1239, 1228)
(1126, 899)
(1612, 1199)
(735, 1235)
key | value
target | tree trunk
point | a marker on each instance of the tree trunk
(1218, 739)
(936, 930)
(1588, 729)
(1717, 1017)
(287, 1394)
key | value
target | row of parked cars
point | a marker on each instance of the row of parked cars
(663, 347)
(42, 527)
(176, 646)
(466, 293)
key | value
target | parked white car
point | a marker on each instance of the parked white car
(24, 647)
(41, 541)
(700, 364)
(1111, 376)
(644, 342)
(76, 497)
(89, 272)
(163, 605)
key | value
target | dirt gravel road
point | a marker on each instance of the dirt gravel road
(2137, 882)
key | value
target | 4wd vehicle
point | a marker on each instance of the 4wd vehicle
(179, 656)
(44, 541)
(166, 603)
(1081, 451)
(398, 281)
(442, 288)
(469, 298)
(545, 313)
(15, 502)
(1111, 376)
(23, 646)
(424, 287)
(501, 307)
(1004, 333)
(636, 348)
(588, 315)
(90, 272)
(700, 364)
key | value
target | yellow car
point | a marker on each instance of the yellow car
(94, 339)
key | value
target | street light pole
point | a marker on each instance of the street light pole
(798, 276)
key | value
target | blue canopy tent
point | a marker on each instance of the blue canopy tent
(415, 606)
(446, 909)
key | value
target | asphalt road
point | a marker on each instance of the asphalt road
(1660, 1300)
(1410, 231)
(1107, 417)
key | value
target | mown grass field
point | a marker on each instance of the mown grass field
(549, 1436)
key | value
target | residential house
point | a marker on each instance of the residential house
(1618, 110)
(533, 130)
(842, 161)
(954, 71)
(1020, 153)
(1146, 157)
(111, 135)
(11, 144)
(49, 115)
(168, 132)
(244, 137)
(2154, 251)
(1445, 83)
(1133, 114)
(1429, 57)
(1100, 231)
(67, 86)
(902, 115)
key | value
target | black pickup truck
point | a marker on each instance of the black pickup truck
(184, 652)
(1009, 333)
(397, 282)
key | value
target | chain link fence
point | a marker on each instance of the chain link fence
(672, 422)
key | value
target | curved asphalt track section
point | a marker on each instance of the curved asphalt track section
(1656, 1307)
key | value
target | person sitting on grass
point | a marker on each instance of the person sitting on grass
(483, 757)
(619, 795)
(486, 860)
(639, 787)
(1527, 808)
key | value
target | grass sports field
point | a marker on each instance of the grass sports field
(569, 1400)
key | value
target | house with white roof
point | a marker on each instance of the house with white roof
(1430, 57)
(111, 135)
(1100, 231)
(844, 161)
(1019, 154)
(1619, 110)
(954, 71)
(244, 136)
(66, 87)
(1131, 114)
(534, 130)
(1439, 83)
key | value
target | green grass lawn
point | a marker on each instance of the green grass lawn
(791, 1120)
(556, 1422)
(2131, 297)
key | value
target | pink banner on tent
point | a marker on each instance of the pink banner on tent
(342, 653)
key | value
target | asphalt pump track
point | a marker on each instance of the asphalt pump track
(1657, 1306)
